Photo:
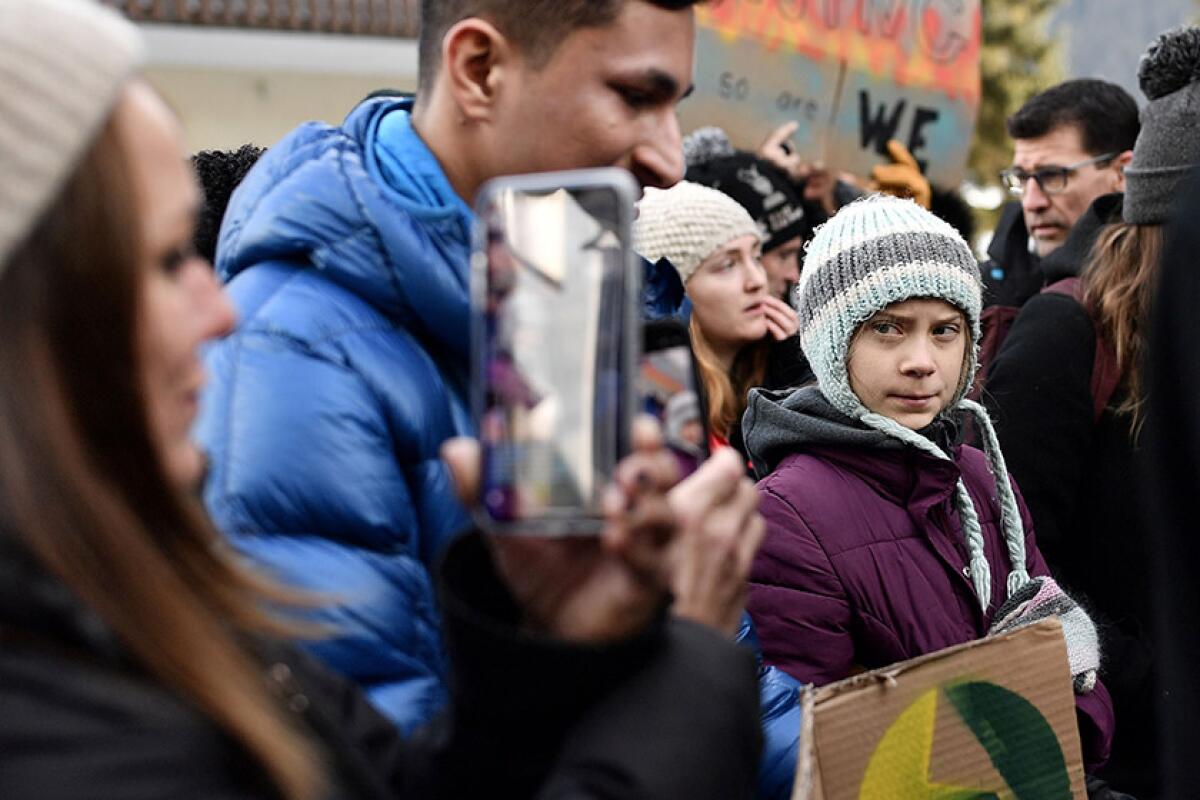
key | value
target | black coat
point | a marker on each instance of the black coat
(670, 713)
(1172, 471)
(1011, 274)
(1079, 477)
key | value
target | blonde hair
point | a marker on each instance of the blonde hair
(1118, 285)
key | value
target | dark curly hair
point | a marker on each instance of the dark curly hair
(220, 172)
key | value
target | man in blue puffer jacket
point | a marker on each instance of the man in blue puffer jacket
(346, 252)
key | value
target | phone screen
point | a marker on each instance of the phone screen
(554, 294)
(669, 390)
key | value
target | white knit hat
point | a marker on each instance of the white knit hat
(62, 65)
(687, 223)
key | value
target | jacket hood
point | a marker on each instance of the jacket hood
(1069, 259)
(779, 423)
(321, 198)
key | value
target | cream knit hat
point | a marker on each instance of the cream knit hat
(62, 64)
(686, 223)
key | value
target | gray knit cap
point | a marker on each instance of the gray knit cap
(874, 252)
(1167, 146)
(62, 64)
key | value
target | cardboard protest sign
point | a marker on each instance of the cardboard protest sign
(853, 73)
(988, 720)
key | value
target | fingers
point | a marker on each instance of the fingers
(780, 135)
(718, 548)
(712, 484)
(647, 434)
(751, 539)
(900, 175)
(781, 319)
(901, 154)
(643, 538)
(461, 455)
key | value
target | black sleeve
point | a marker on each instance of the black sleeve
(1171, 465)
(1039, 395)
(670, 713)
(786, 365)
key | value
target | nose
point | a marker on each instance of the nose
(215, 313)
(1034, 198)
(756, 275)
(658, 157)
(917, 358)
(791, 267)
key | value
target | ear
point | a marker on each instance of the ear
(475, 60)
(1121, 162)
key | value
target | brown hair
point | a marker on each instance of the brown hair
(1118, 282)
(536, 26)
(82, 485)
(726, 392)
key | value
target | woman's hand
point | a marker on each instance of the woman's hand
(782, 321)
(778, 150)
(721, 530)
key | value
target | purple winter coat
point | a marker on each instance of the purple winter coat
(864, 562)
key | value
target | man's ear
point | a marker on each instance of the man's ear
(1121, 162)
(475, 59)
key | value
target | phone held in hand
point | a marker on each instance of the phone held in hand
(555, 289)
(669, 389)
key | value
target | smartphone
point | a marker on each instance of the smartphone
(555, 289)
(670, 390)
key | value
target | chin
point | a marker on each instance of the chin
(185, 466)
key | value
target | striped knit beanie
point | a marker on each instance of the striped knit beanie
(875, 252)
(62, 65)
(687, 223)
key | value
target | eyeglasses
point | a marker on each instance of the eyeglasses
(1052, 180)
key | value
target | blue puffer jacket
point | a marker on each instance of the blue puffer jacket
(347, 261)
(779, 704)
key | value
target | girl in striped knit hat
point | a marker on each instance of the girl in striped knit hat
(886, 538)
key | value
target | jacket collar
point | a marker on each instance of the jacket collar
(1010, 242)
(368, 205)
(907, 477)
(1072, 255)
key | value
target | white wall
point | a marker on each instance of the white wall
(233, 87)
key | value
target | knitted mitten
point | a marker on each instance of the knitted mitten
(1042, 598)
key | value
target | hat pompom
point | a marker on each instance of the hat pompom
(706, 144)
(1171, 62)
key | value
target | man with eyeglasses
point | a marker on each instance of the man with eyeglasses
(1070, 146)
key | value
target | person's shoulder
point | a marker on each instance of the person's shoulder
(75, 728)
(797, 473)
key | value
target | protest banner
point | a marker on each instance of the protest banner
(853, 73)
(986, 720)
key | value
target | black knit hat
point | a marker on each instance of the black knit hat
(760, 188)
